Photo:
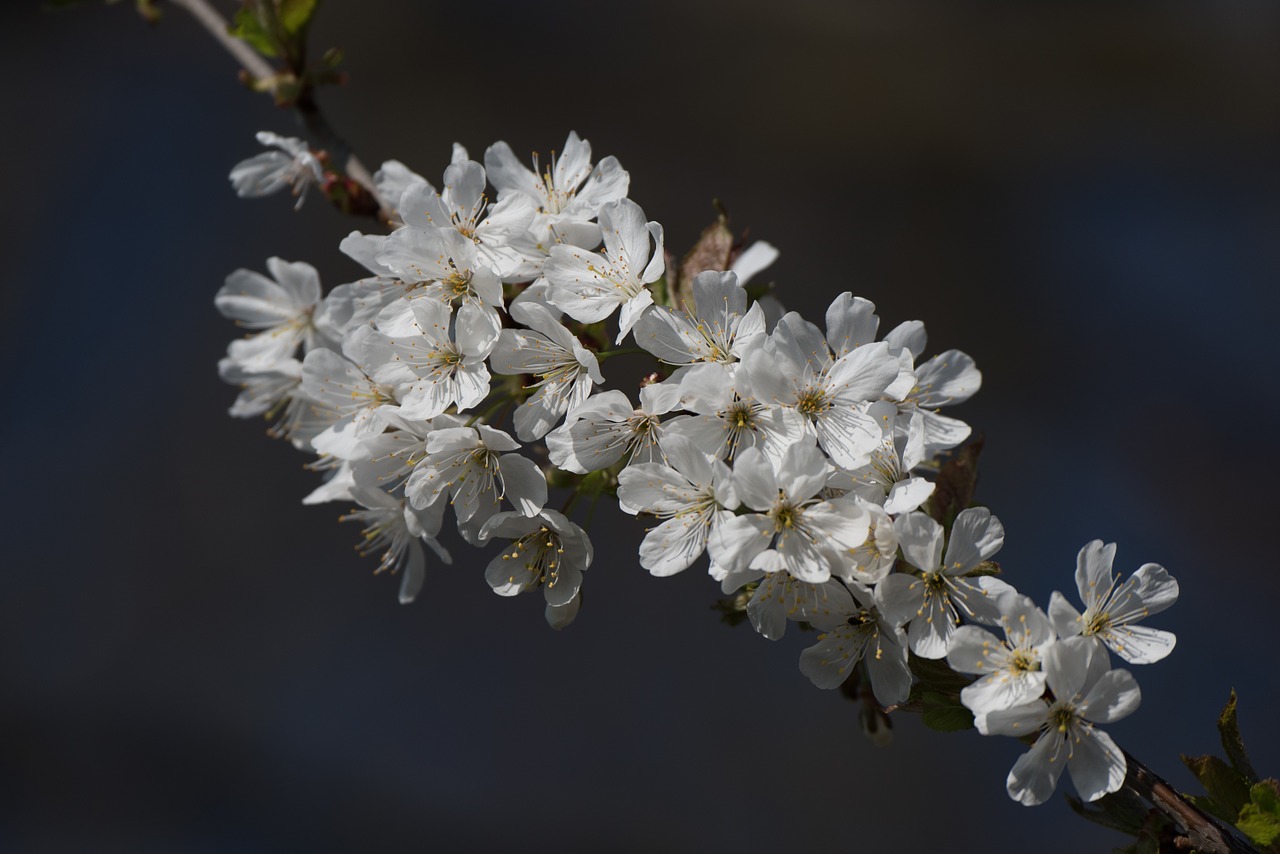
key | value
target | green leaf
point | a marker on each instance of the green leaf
(295, 15)
(1260, 818)
(947, 718)
(936, 675)
(1232, 743)
(944, 712)
(249, 27)
(1226, 787)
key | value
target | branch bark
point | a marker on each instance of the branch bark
(1203, 832)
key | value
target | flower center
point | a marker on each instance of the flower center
(1023, 662)
(540, 553)
(813, 401)
(1061, 717)
(785, 516)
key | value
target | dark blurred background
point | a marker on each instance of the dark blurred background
(1083, 196)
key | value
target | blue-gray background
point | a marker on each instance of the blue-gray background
(1083, 196)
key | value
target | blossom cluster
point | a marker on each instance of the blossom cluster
(464, 373)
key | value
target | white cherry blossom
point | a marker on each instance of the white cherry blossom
(567, 192)
(1011, 670)
(278, 309)
(462, 204)
(859, 633)
(591, 286)
(606, 429)
(779, 598)
(718, 328)
(291, 165)
(934, 600)
(886, 479)
(565, 370)
(357, 405)
(398, 530)
(792, 369)
(1112, 612)
(793, 529)
(430, 369)
(444, 267)
(547, 551)
(871, 562)
(946, 379)
(1085, 693)
(467, 465)
(728, 418)
(692, 494)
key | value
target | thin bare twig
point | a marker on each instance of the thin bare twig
(307, 109)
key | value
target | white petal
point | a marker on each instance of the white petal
(1114, 696)
(975, 537)
(735, 542)
(1139, 644)
(1097, 765)
(524, 483)
(674, 545)
(1067, 621)
(829, 662)
(921, 540)
(1093, 571)
(1035, 774)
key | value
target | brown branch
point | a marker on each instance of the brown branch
(1202, 832)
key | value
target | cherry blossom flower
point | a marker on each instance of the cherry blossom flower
(430, 369)
(1111, 613)
(565, 370)
(1086, 692)
(399, 530)
(292, 165)
(280, 312)
(590, 286)
(934, 599)
(728, 417)
(1011, 669)
(791, 370)
(692, 493)
(719, 328)
(859, 632)
(606, 428)
(547, 551)
(463, 205)
(467, 465)
(792, 528)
